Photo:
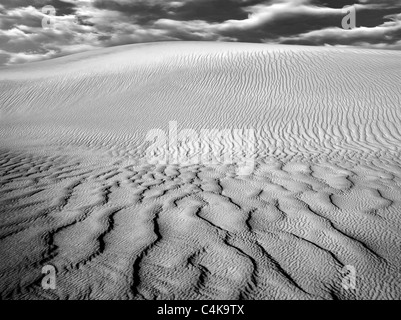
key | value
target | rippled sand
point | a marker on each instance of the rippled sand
(77, 190)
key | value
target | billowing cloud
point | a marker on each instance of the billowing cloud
(386, 35)
(86, 24)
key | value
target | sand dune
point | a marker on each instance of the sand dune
(79, 192)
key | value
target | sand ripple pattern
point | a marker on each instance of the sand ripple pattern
(76, 190)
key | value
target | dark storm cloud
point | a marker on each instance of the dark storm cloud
(367, 17)
(212, 10)
(86, 24)
(146, 11)
(63, 7)
(287, 24)
(298, 22)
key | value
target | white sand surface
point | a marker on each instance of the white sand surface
(77, 189)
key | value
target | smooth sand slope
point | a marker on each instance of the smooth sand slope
(77, 190)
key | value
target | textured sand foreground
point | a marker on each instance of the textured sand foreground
(77, 191)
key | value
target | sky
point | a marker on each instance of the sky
(30, 30)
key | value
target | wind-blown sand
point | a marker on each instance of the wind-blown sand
(78, 193)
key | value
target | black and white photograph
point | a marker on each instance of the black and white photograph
(200, 150)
